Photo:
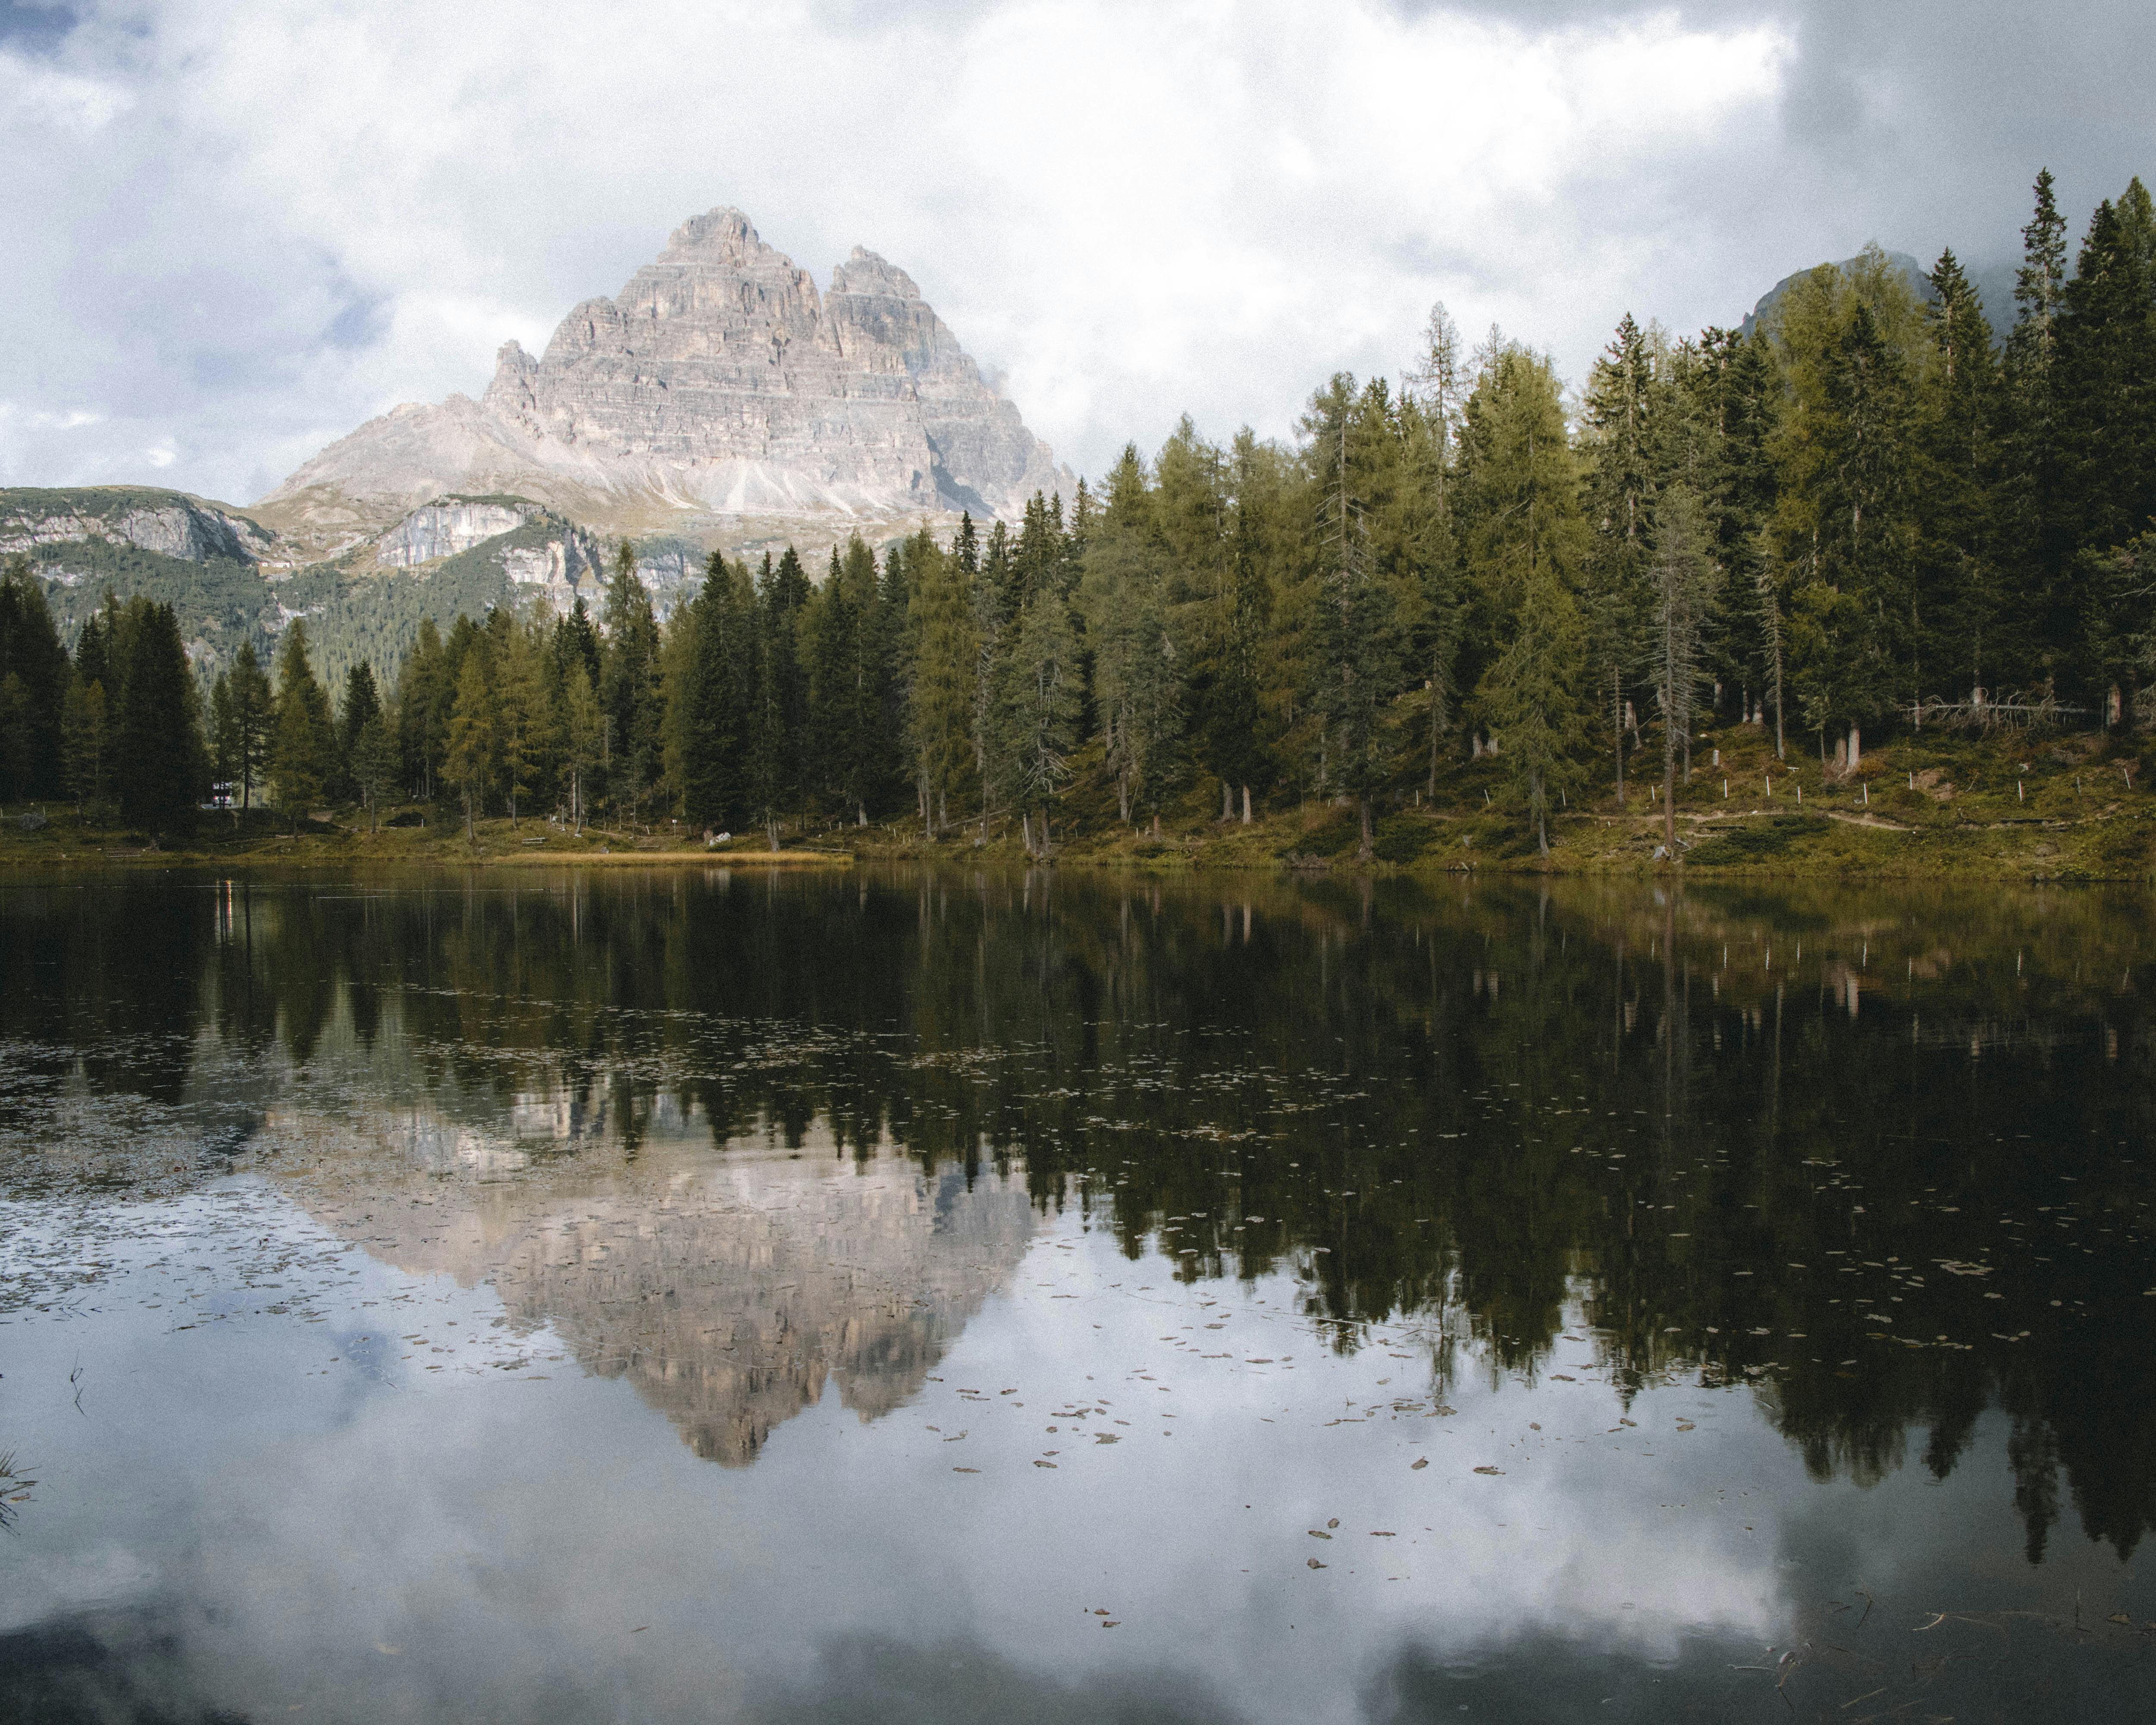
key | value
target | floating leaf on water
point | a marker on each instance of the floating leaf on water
(1334, 1522)
(1418, 1464)
(1490, 1470)
(1319, 1533)
(1313, 1562)
(1044, 1464)
(965, 1470)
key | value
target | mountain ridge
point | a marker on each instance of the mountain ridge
(718, 394)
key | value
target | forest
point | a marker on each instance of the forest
(1867, 515)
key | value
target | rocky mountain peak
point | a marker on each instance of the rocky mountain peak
(865, 273)
(718, 395)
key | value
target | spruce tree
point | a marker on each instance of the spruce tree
(161, 762)
(471, 764)
(941, 628)
(303, 751)
(30, 653)
(362, 703)
(630, 690)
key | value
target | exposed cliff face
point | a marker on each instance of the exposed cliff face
(718, 391)
(534, 547)
(170, 523)
(442, 529)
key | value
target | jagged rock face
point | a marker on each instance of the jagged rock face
(719, 384)
(444, 529)
(170, 523)
(534, 547)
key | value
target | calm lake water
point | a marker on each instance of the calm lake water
(697, 1296)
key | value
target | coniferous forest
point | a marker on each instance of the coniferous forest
(1864, 517)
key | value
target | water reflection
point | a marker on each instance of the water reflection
(1870, 1165)
(726, 1292)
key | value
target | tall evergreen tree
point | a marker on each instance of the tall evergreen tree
(31, 654)
(630, 691)
(304, 750)
(162, 764)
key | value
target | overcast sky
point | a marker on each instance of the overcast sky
(235, 229)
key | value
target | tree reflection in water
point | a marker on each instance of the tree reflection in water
(1876, 1154)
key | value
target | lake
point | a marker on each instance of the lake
(695, 1294)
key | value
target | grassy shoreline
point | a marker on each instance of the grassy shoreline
(2004, 808)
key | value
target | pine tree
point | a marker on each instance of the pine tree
(583, 726)
(832, 626)
(1353, 640)
(253, 721)
(471, 764)
(524, 718)
(30, 653)
(2104, 420)
(18, 749)
(1533, 695)
(1521, 522)
(363, 701)
(629, 690)
(1957, 574)
(1626, 402)
(940, 622)
(1681, 577)
(780, 716)
(304, 749)
(86, 743)
(162, 764)
(718, 698)
(2032, 542)
(374, 767)
(1039, 708)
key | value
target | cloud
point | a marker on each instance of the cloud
(249, 225)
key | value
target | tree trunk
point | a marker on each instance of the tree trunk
(1669, 794)
(1246, 805)
(1855, 746)
(1368, 850)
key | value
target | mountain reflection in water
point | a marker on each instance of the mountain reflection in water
(726, 1291)
(1870, 1166)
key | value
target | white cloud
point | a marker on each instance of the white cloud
(252, 224)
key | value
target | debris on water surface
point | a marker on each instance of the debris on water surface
(1418, 1464)
(1314, 1563)
(1490, 1470)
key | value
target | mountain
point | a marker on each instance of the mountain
(171, 524)
(718, 398)
(1994, 286)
